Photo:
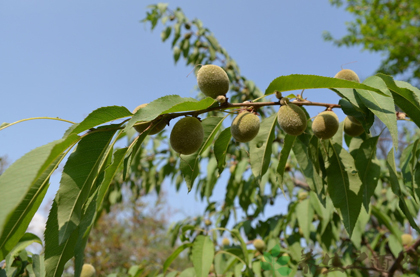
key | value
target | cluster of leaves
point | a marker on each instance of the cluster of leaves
(345, 180)
(390, 27)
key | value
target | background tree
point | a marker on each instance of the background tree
(388, 27)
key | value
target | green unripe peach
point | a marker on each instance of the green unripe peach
(259, 244)
(292, 119)
(88, 271)
(141, 126)
(278, 95)
(207, 222)
(324, 271)
(245, 127)
(187, 135)
(302, 195)
(347, 74)
(325, 125)
(352, 126)
(226, 242)
(213, 80)
(407, 239)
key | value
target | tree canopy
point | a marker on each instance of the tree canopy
(390, 27)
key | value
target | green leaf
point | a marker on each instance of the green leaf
(406, 98)
(306, 213)
(220, 148)
(23, 193)
(110, 173)
(386, 220)
(307, 164)
(38, 265)
(299, 82)
(79, 174)
(174, 255)
(213, 41)
(202, 255)
(177, 54)
(284, 155)
(238, 236)
(192, 105)
(344, 185)
(166, 33)
(101, 116)
(261, 146)
(382, 106)
(360, 228)
(189, 272)
(185, 47)
(83, 231)
(190, 163)
(56, 254)
(408, 162)
(395, 186)
(156, 108)
(368, 169)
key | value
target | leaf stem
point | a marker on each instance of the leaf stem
(33, 118)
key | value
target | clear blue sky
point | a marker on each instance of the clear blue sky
(67, 58)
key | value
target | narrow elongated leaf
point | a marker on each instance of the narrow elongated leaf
(220, 148)
(38, 265)
(405, 97)
(235, 233)
(368, 169)
(308, 166)
(284, 155)
(387, 221)
(189, 272)
(261, 146)
(56, 254)
(306, 213)
(299, 82)
(23, 193)
(408, 162)
(202, 255)
(395, 186)
(101, 116)
(79, 173)
(110, 173)
(382, 106)
(350, 96)
(189, 163)
(192, 105)
(84, 228)
(344, 185)
(174, 255)
(156, 108)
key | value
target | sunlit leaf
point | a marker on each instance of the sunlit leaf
(260, 146)
(202, 255)
(23, 193)
(299, 82)
(344, 185)
(79, 173)
(220, 148)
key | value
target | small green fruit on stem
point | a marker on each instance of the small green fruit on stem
(187, 135)
(212, 80)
